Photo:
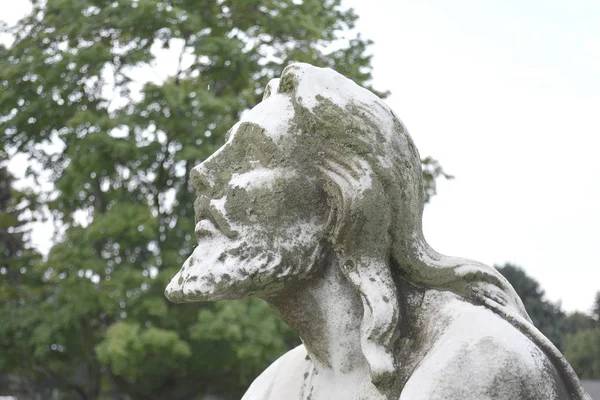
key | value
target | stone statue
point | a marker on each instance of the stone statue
(314, 204)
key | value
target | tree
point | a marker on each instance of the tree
(596, 309)
(577, 321)
(577, 334)
(582, 344)
(582, 349)
(120, 156)
(432, 170)
(19, 286)
(546, 316)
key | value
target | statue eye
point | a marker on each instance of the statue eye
(257, 147)
(258, 152)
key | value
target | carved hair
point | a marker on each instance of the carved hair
(372, 174)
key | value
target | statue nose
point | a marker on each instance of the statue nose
(202, 179)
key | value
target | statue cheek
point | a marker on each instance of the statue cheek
(258, 207)
(279, 203)
(266, 207)
(237, 206)
(304, 198)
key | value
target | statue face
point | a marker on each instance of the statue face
(260, 212)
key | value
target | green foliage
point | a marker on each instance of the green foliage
(578, 321)
(596, 309)
(576, 334)
(249, 330)
(582, 349)
(135, 353)
(92, 318)
(432, 170)
(19, 288)
(546, 316)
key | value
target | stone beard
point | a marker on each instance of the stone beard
(315, 204)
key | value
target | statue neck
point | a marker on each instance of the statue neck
(326, 312)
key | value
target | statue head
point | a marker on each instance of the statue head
(322, 166)
(302, 169)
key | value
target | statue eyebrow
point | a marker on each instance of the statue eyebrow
(249, 144)
(255, 148)
(260, 152)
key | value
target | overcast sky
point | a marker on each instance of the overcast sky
(506, 95)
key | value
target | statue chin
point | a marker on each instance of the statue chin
(221, 268)
(184, 293)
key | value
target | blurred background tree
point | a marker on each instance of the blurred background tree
(546, 316)
(582, 346)
(20, 288)
(582, 349)
(576, 334)
(115, 144)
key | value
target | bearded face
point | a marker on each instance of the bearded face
(260, 211)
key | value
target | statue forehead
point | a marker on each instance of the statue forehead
(309, 88)
(302, 91)
(274, 115)
(270, 120)
(268, 128)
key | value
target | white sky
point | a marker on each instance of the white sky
(506, 95)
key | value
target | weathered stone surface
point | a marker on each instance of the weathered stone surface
(315, 204)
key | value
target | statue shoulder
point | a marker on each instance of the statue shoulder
(482, 356)
(282, 379)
